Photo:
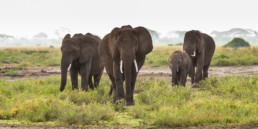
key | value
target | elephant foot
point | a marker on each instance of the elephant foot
(85, 89)
(131, 103)
(91, 87)
(61, 88)
(195, 85)
(74, 88)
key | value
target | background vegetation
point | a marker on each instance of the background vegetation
(44, 57)
(236, 43)
(225, 101)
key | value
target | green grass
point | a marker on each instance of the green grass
(31, 56)
(220, 101)
(11, 73)
(44, 57)
(222, 56)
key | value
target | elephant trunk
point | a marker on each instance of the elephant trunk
(174, 76)
(135, 64)
(128, 81)
(64, 66)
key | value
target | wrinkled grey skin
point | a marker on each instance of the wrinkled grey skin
(124, 44)
(179, 62)
(204, 47)
(81, 52)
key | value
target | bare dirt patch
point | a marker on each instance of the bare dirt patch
(161, 72)
(2, 126)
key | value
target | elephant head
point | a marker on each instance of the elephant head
(175, 62)
(70, 51)
(128, 44)
(193, 43)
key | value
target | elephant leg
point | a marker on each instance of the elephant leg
(183, 75)
(205, 71)
(118, 81)
(90, 82)
(174, 78)
(199, 70)
(178, 77)
(74, 74)
(112, 86)
(85, 73)
(134, 77)
(111, 90)
(97, 80)
(192, 73)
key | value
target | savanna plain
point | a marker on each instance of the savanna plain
(30, 96)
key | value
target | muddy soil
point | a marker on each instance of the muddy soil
(162, 72)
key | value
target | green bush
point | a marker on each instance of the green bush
(236, 43)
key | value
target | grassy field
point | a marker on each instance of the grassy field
(30, 56)
(222, 56)
(44, 57)
(228, 100)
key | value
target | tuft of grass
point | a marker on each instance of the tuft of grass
(12, 73)
(219, 101)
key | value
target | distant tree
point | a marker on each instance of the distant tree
(41, 35)
(256, 34)
(5, 36)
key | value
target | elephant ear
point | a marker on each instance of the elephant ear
(113, 44)
(202, 43)
(144, 42)
(67, 36)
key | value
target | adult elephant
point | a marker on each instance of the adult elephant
(200, 47)
(123, 53)
(81, 52)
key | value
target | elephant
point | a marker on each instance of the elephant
(123, 53)
(200, 47)
(81, 52)
(179, 62)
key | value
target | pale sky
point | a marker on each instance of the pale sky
(25, 18)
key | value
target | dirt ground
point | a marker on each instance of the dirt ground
(2, 126)
(162, 72)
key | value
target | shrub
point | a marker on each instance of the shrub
(237, 42)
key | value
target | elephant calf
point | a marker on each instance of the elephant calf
(81, 52)
(179, 62)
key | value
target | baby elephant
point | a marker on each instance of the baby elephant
(179, 62)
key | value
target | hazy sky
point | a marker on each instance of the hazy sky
(24, 18)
